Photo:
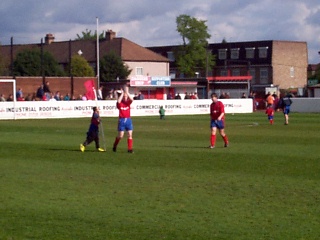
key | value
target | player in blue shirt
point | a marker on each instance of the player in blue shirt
(285, 104)
(93, 132)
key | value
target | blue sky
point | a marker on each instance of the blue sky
(153, 22)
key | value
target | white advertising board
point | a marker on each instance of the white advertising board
(78, 109)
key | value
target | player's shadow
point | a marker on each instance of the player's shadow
(72, 150)
(184, 147)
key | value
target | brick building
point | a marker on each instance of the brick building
(244, 66)
(140, 60)
(240, 66)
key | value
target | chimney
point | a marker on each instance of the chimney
(110, 35)
(49, 38)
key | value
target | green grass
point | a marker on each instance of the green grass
(264, 186)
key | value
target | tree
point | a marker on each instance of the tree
(28, 63)
(80, 67)
(4, 66)
(317, 74)
(88, 35)
(112, 67)
(193, 55)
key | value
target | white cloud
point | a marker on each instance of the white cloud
(152, 23)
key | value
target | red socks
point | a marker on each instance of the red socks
(117, 140)
(130, 142)
(213, 140)
(225, 139)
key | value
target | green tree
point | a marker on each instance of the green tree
(112, 67)
(224, 40)
(28, 63)
(193, 55)
(317, 74)
(4, 65)
(88, 35)
(80, 67)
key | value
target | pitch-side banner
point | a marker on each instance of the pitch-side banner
(78, 109)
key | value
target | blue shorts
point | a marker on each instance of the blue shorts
(270, 117)
(218, 124)
(125, 124)
(286, 110)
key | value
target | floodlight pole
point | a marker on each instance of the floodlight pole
(98, 64)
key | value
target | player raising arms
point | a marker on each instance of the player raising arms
(124, 123)
(217, 115)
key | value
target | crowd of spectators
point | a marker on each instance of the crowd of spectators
(43, 93)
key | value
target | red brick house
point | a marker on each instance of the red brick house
(140, 60)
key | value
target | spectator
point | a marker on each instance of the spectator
(252, 95)
(34, 97)
(140, 96)
(99, 94)
(57, 96)
(223, 95)
(10, 98)
(2, 98)
(243, 95)
(66, 97)
(52, 97)
(177, 96)
(111, 93)
(46, 89)
(40, 92)
(19, 94)
(20, 98)
(28, 97)
(194, 96)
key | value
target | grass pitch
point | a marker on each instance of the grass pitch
(264, 186)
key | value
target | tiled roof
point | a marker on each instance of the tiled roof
(129, 51)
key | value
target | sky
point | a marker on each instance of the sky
(153, 22)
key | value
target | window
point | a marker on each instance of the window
(222, 53)
(170, 56)
(292, 72)
(223, 72)
(250, 53)
(235, 53)
(264, 76)
(173, 74)
(139, 71)
(236, 72)
(263, 52)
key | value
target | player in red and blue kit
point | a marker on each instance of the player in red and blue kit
(217, 115)
(124, 122)
(270, 113)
